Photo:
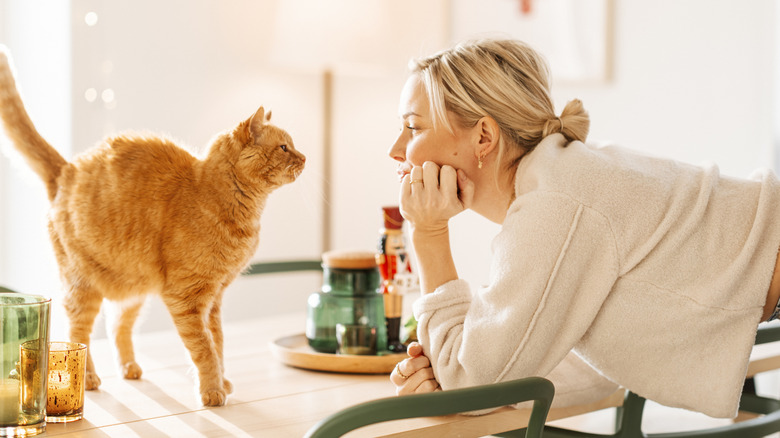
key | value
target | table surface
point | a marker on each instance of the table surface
(270, 399)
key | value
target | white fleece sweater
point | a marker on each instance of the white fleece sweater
(653, 271)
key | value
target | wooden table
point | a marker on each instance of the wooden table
(270, 399)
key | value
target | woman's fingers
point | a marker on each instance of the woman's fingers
(421, 381)
(398, 377)
(430, 175)
(448, 182)
(429, 385)
(414, 349)
(432, 197)
(416, 176)
(408, 367)
(414, 374)
(465, 189)
(417, 363)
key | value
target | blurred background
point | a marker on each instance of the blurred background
(694, 80)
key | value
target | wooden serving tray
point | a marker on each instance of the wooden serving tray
(295, 351)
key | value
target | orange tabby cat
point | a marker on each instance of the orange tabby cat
(139, 215)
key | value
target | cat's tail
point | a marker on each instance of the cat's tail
(39, 154)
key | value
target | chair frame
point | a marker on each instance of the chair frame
(432, 404)
(629, 416)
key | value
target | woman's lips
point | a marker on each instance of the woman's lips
(402, 173)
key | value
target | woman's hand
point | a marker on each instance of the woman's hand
(414, 374)
(431, 195)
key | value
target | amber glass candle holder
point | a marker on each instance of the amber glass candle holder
(65, 390)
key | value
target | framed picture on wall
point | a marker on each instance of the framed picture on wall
(575, 36)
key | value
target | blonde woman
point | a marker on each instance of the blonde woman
(654, 272)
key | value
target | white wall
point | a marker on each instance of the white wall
(692, 80)
(40, 43)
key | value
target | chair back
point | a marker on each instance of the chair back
(439, 403)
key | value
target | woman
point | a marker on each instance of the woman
(656, 273)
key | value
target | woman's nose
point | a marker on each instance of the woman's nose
(398, 150)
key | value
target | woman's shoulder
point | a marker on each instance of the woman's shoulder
(556, 164)
(590, 172)
(556, 155)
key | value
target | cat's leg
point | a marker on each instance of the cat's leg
(215, 325)
(123, 316)
(190, 310)
(82, 306)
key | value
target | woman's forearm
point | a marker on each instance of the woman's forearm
(434, 258)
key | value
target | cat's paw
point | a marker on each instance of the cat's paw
(91, 381)
(213, 397)
(132, 371)
(227, 386)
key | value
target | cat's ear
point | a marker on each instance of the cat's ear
(256, 123)
(258, 120)
(268, 116)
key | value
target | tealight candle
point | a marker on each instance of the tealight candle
(9, 401)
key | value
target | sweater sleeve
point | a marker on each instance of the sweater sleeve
(554, 262)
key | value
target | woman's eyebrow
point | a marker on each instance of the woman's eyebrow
(410, 113)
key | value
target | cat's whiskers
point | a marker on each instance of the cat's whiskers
(294, 169)
(314, 185)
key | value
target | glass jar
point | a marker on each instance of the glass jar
(350, 296)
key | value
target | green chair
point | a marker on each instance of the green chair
(629, 418)
(628, 421)
(438, 403)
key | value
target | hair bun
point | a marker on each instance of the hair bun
(574, 122)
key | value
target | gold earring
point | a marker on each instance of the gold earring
(479, 162)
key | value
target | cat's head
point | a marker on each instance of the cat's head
(262, 152)
(269, 149)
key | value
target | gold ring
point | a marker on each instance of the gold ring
(416, 181)
(398, 371)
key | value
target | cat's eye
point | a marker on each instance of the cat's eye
(284, 147)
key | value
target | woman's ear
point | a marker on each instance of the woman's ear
(487, 133)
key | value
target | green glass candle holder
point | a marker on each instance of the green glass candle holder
(24, 325)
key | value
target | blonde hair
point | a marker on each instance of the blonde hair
(506, 80)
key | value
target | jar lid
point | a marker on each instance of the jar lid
(349, 259)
